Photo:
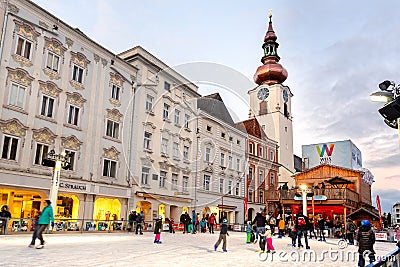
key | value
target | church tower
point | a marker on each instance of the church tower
(270, 103)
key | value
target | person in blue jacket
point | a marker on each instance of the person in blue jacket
(44, 220)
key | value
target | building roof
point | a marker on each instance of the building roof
(339, 180)
(215, 106)
(363, 210)
(324, 165)
(252, 127)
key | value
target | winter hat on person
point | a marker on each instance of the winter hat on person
(268, 227)
(48, 201)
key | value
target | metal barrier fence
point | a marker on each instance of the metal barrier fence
(390, 260)
(20, 225)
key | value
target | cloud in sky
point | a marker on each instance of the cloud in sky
(336, 53)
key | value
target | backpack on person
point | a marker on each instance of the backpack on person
(301, 222)
(352, 227)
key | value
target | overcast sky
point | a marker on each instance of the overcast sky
(336, 54)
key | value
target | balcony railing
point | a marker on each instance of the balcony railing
(348, 195)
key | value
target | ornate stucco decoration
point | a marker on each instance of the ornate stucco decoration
(75, 99)
(69, 42)
(55, 46)
(26, 30)
(49, 88)
(111, 153)
(116, 79)
(52, 75)
(13, 127)
(79, 59)
(23, 62)
(175, 169)
(186, 170)
(43, 24)
(149, 126)
(114, 102)
(20, 76)
(163, 165)
(44, 135)
(71, 142)
(13, 8)
(76, 85)
(147, 161)
(208, 169)
(114, 114)
(104, 62)
(96, 58)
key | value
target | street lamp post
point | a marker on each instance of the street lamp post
(57, 161)
(304, 190)
(389, 94)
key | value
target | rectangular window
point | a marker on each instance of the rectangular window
(230, 162)
(52, 61)
(17, 95)
(230, 187)
(221, 185)
(71, 159)
(112, 129)
(174, 184)
(147, 140)
(251, 148)
(149, 103)
(167, 86)
(73, 115)
(238, 142)
(115, 92)
(237, 189)
(271, 155)
(272, 175)
(222, 159)
(77, 74)
(41, 153)
(10, 147)
(163, 177)
(230, 139)
(238, 164)
(24, 48)
(177, 118)
(47, 106)
(186, 152)
(175, 150)
(164, 146)
(261, 176)
(261, 200)
(208, 154)
(206, 182)
(145, 176)
(166, 111)
(209, 128)
(250, 195)
(250, 173)
(187, 118)
(223, 135)
(185, 182)
(260, 152)
(109, 168)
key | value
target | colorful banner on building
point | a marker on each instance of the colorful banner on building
(245, 208)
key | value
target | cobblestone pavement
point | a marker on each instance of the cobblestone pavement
(127, 249)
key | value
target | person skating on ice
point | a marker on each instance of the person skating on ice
(267, 239)
(44, 220)
(157, 230)
(222, 235)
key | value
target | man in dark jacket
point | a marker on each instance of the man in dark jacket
(301, 226)
(366, 239)
(260, 222)
(350, 230)
(139, 223)
(5, 215)
(321, 227)
(222, 235)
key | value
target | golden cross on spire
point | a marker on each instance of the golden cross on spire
(270, 13)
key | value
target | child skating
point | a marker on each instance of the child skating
(222, 236)
(157, 230)
(249, 231)
(267, 238)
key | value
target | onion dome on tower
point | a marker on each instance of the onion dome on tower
(271, 72)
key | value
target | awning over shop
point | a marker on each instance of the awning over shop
(227, 207)
(337, 182)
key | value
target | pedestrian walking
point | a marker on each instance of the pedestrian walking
(171, 226)
(350, 230)
(321, 226)
(281, 226)
(44, 220)
(260, 222)
(292, 229)
(194, 219)
(157, 230)
(139, 223)
(35, 223)
(5, 216)
(301, 225)
(366, 239)
(222, 236)
(131, 220)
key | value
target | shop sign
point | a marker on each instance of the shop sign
(381, 236)
(73, 186)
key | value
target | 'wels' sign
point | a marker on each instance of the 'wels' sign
(325, 153)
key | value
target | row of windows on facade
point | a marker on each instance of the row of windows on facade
(261, 176)
(232, 190)
(251, 196)
(223, 135)
(52, 63)
(10, 151)
(147, 145)
(261, 152)
(162, 180)
(17, 96)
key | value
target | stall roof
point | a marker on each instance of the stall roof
(339, 180)
(363, 210)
